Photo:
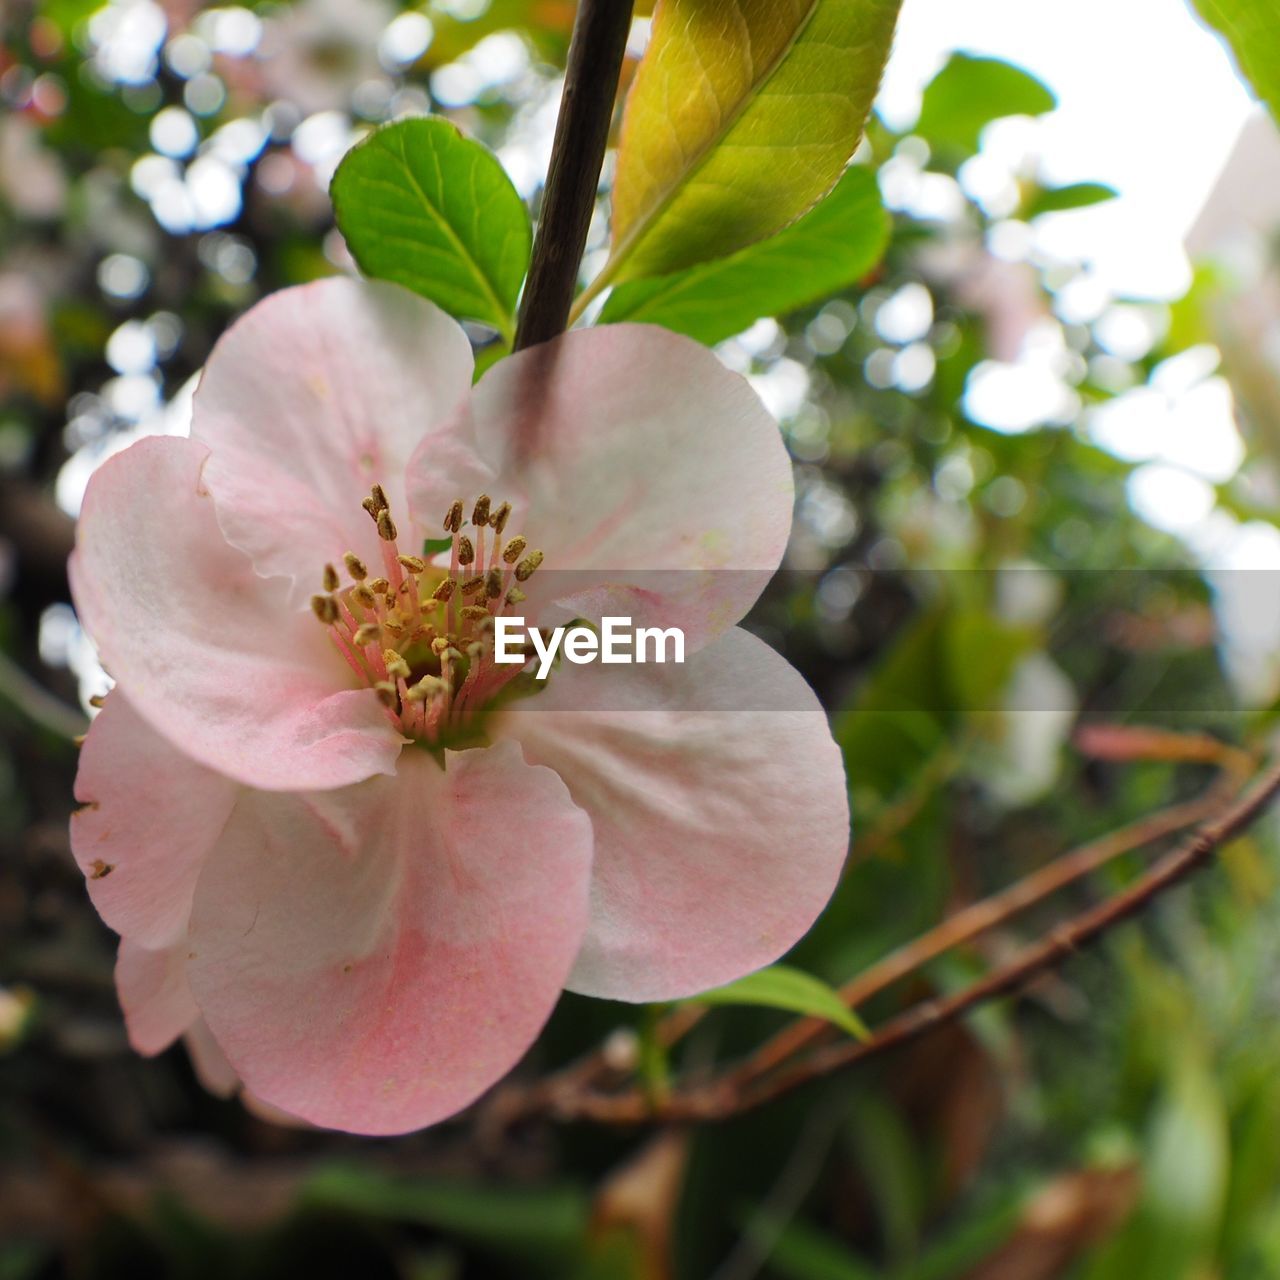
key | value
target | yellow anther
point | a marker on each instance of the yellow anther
(480, 512)
(412, 563)
(331, 580)
(355, 566)
(396, 666)
(325, 608)
(453, 517)
(525, 568)
(439, 645)
(511, 552)
(379, 496)
(371, 507)
(472, 585)
(367, 633)
(362, 595)
(466, 551)
(387, 693)
(444, 590)
(473, 612)
(97, 700)
(516, 596)
(499, 518)
(426, 688)
(380, 586)
(386, 526)
(394, 622)
(493, 583)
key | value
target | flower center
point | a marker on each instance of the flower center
(420, 634)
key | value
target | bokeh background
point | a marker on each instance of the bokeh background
(1038, 463)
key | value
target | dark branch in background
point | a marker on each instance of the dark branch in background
(577, 152)
(574, 1093)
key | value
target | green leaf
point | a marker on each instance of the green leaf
(834, 245)
(968, 93)
(781, 987)
(743, 114)
(423, 206)
(1252, 30)
(546, 1223)
(797, 1251)
(434, 546)
(1078, 195)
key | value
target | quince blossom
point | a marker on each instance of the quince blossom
(353, 859)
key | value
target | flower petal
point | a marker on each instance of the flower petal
(650, 465)
(719, 805)
(150, 816)
(309, 399)
(373, 959)
(209, 1062)
(208, 653)
(153, 991)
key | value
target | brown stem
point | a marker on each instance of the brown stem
(577, 152)
(980, 917)
(723, 1096)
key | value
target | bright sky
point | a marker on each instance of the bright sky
(1148, 102)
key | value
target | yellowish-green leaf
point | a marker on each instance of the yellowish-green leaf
(1252, 29)
(835, 244)
(743, 114)
(781, 987)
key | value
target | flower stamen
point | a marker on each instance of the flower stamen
(433, 677)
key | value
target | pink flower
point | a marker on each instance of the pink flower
(341, 854)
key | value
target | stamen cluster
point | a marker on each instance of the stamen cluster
(421, 635)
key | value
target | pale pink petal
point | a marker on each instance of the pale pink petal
(719, 805)
(373, 959)
(209, 1062)
(153, 991)
(149, 816)
(309, 399)
(649, 465)
(208, 652)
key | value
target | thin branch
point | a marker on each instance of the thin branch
(37, 703)
(582, 133)
(722, 1097)
(981, 917)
